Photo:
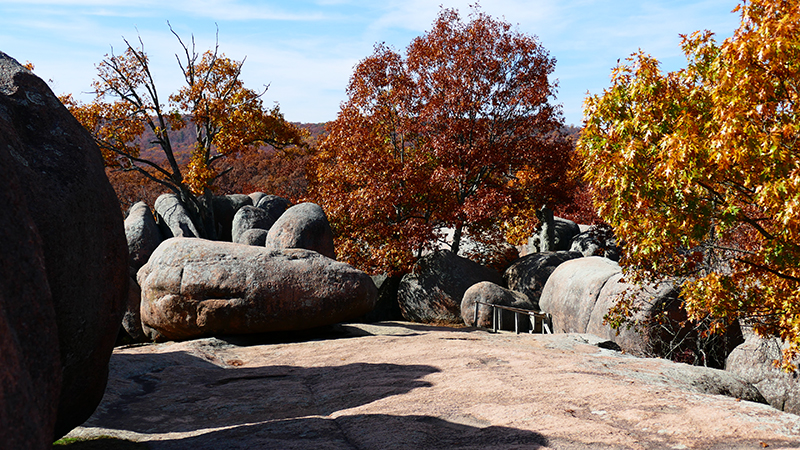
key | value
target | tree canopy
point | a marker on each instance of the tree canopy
(699, 170)
(227, 118)
(459, 132)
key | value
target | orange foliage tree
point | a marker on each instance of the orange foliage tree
(460, 132)
(228, 119)
(700, 170)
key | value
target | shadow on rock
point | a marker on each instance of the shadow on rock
(182, 392)
(377, 431)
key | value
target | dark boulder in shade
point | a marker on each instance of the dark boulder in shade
(82, 233)
(433, 291)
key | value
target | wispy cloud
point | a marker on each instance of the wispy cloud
(307, 49)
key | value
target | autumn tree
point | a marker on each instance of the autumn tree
(700, 170)
(459, 132)
(228, 119)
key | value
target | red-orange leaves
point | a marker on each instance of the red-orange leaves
(436, 138)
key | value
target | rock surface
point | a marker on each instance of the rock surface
(597, 241)
(249, 218)
(408, 386)
(530, 273)
(142, 234)
(572, 290)
(488, 292)
(29, 386)
(564, 230)
(753, 362)
(254, 236)
(77, 216)
(132, 319)
(225, 208)
(173, 219)
(386, 308)
(195, 287)
(433, 291)
(275, 206)
(302, 226)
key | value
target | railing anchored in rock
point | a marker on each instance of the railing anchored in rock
(541, 322)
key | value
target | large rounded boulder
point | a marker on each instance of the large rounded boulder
(29, 349)
(433, 291)
(195, 287)
(302, 226)
(77, 216)
(142, 235)
(529, 274)
(250, 218)
(581, 292)
(173, 217)
(571, 292)
(488, 292)
(754, 362)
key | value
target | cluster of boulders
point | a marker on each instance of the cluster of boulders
(63, 279)
(278, 273)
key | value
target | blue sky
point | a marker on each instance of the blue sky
(306, 50)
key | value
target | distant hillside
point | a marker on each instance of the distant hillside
(183, 141)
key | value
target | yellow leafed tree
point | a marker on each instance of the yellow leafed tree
(700, 170)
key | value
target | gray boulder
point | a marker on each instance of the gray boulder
(488, 292)
(255, 197)
(581, 292)
(754, 362)
(254, 236)
(142, 234)
(195, 287)
(564, 231)
(173, 218)
(225, 208)
(82, 234)
(572, 290)
(597, 241)
(249, 218)
(433, 291)
(273, 205)
(529, 274)
(132, 319)
(303, 226)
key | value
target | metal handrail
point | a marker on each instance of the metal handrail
(497, 317)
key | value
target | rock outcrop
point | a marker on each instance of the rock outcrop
(142, 234)
(275, 206)
(302, 226)
(597, 241)
(754, 362)
(195, 287)
(29, 384)
(433, 291)
(564, 231)
(529, 274)
(488, 292)
(82, 233)
(173, 218)
(225, 208)
(250, 218)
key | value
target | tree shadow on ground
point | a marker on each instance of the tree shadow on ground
(378, 432)
(181, 392)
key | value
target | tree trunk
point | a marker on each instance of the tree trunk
(454, 247)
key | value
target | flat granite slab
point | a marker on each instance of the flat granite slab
(396, 385)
